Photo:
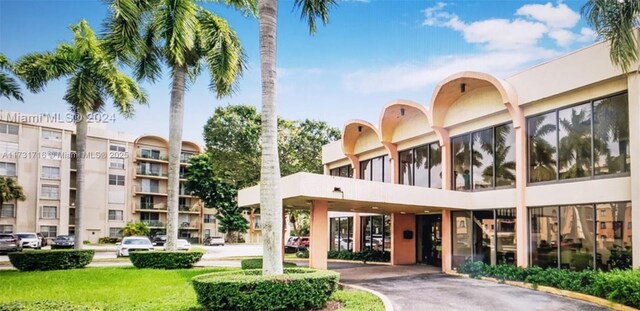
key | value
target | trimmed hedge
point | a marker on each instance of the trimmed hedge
(297, 289)
(256, 263)
(364, 256)
(59, 259)
(164, 259)
(621, 286)
(43, 305)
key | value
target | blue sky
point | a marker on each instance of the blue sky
(372, 52)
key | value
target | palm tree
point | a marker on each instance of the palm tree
(574, 156)
(270, 195)
(614, 20)
(183, 36)
(10, 190)
(542, 161)
(92, 78)
(8, 86)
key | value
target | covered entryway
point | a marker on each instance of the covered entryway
(429, 239)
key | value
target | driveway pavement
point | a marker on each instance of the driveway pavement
(425, 288)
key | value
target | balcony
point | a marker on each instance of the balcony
(148, 190)
(146, 207)
(184, 157)
(191, 209)
(151, 157)
(151, 173)
(154, 223)
(189, 225)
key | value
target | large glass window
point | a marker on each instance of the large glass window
(461, 163)
(611, 135)
(505, 156)
(543, 146)
(482, 146)
(574, 137)
(376, 169)
(6, 128)
(580, 141)
(7, 169)
(421, 166)
(506, 235)
(462, 241)
(613, 235)
(7, 211)
(341, 234)
(579, 237)
(343, 171)
(376, 232)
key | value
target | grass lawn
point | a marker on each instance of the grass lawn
(128, 288)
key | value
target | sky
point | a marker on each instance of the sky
(371, 53)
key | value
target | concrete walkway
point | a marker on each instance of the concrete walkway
(425, 288)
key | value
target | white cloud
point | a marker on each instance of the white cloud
(502, 34)
(559, 16)
(412, 76)
(586, 35)
(563, 37)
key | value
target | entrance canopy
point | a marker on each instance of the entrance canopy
(355, 195)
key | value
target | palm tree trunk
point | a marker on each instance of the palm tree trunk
(175, 145)
(270, 196)
(81, 150)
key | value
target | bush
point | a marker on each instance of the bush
(366, 255)
(256, 263)
(43, 305)
(621, 286)
(297, 289)
(62, 259)
(165, 260)
(303, 253)
(108, 240)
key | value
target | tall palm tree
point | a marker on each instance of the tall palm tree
(181, 35)
(92, 78)
(614, 20)
(8, 86)
(574, 147)
(542, 154)
(270, 195)
(10, 190)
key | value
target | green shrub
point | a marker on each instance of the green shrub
(43, 305)
(620, 259)
(60, 259)
(108, 240)
(86, 242)
(366, 255)
(621, 286)
(165, 260)
(256, 263)
(297, 289)
(304, 253)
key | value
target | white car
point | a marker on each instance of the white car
(30, 240)
(133, 243)
(214, 240)
(183, 245)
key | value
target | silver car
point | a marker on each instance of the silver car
(29, 240)
(10, 243)
(133, 243)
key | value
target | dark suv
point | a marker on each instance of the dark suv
(159, 240)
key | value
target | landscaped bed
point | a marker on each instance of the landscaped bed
(128, 288)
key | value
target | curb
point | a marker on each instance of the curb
(558, 292)
(342, 261)
(385, 300)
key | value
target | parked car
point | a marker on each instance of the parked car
(214, 240)
(133, 243)
(295, 244)
(159, 240)
(63, 241)
(10, 243)
(43, 240)
(30, 240)
(183, 245)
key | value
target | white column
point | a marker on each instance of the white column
(633, 81)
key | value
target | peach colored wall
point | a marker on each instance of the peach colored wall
(403, 251)
(319, 245)
(473, 105)
(446, 240)
(356, 232)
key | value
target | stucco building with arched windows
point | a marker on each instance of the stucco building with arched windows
(539, 168)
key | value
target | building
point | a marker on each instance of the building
(540, 168)
(126, 179)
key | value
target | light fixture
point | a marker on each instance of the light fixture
(403, 213)
(374, 207)
(360, 128)
(337, 189)
(402, 111)
(353, 210)
(463, 87)
(427, 212)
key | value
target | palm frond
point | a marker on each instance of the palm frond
(179, 20)
(314, 9)
(37, 69)
(5, 64)
(83, 93)
(223, 53)
(9, 87)
(247, 7)
(615, 20)
(122, 37)
(148, 63)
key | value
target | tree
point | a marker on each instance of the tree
(137, 228)
(92, 78)
(183, 36)
(10, 190)
(615, 20)
(270, 195)
(542, 161)
(216, 193)
(232, 138)
(8, 85)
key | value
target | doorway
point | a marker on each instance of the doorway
(429, 239)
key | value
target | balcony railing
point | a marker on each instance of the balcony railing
(184, 157)
(154, 223)
(151, 156)
(148, 172)
(149, 206)
(188, 208)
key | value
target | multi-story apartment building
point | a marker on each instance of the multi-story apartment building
(126, 179)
